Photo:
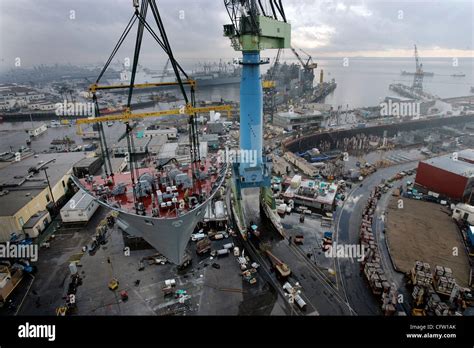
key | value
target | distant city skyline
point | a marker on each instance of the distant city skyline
(85, 31)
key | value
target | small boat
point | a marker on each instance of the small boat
(34, 132)
(458, 75)
(424, 73)
(62, 141)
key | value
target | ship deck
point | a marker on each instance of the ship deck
(166, 199)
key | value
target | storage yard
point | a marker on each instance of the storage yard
(146, 282)
(425, 231)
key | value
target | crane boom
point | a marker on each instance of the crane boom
(298, 57)
(418, 77)
(164, 70)
(308, 65)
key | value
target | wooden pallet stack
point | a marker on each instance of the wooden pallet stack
(438, 307)
(421, 274)
(389, 300)
(371, 265)
(444, 282)
(430, 286)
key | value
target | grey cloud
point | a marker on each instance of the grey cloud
(42, 32)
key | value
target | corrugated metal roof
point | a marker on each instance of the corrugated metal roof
(467, 154)
(450, 164)
(79, 201)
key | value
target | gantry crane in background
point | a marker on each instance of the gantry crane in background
(183, 82)
(254, 26)
(269, 88)
(418, 77)
(308, 66)
(165, 69)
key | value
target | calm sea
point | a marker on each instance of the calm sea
(361, 82)
(364, 81)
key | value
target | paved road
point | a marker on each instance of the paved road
(348, 293)
(348, 221)
(378, 228)
(318, 290)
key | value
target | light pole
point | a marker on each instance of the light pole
(49, 185)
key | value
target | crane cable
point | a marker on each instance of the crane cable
(130, 142)
(178, 70)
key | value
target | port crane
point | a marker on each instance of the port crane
(254, 27)
(418, 77)
(308, 70)
(165, 69)
(269, 88)
(183, 83)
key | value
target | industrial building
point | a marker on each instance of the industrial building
(212, 140)
(451, 176)
(155, 144)
(303, 165)
(87, 166)
(140, 146)
(298, 119)
(168, 151)
(159, 132)
(37, 224)
(216, 128)
(13, 96)
(25, 192)
(313, 194)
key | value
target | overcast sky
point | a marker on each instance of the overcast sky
(46, 31)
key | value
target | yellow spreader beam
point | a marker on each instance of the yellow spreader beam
(126, 116)
(95, 87)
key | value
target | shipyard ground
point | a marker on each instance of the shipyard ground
(212, 291)
(319, 289)
(348, 217)
(425, 231)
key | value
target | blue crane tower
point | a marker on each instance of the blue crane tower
(256, 25)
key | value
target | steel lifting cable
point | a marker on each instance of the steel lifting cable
(107, 155)
(102, 138)
(130, 142)
(117, 46)
(176, 69)
(195, 156)
(94, 98)
(162, 45)
(136, 55)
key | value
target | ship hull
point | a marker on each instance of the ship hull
(218, 81)
(169, 236)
